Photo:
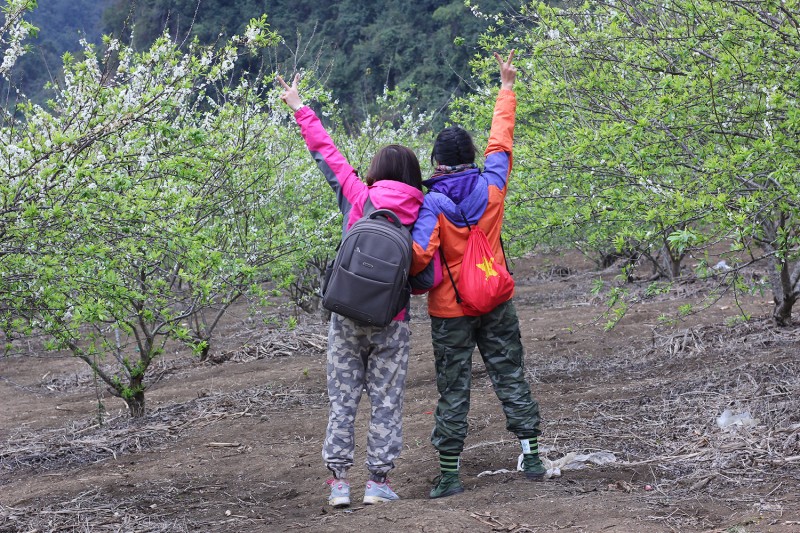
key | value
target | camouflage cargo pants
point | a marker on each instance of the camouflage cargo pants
(368, 357)
(497, 336)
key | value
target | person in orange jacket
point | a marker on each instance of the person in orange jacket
(461, 195)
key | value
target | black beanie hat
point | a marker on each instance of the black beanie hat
(453, 147)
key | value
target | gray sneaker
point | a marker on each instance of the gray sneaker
(379, 492)
(340, 493)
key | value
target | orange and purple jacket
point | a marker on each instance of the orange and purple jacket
(480, 196)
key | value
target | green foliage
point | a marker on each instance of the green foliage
(157, 188)
(661, 128)
(156, 191)
(14, 31)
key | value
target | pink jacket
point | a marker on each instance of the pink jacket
(351, 192)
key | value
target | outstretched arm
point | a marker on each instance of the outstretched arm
(502, 134)
(337, 171)
(501, 138)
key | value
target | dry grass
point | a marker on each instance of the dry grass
(656, 409)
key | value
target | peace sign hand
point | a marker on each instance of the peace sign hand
(290, 94)
(508, 72)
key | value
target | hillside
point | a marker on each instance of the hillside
(235, 445)
(62, 24)
(355, 47)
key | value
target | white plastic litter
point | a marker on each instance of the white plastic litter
(494, 472)
(728, 419)
(572, 461)
(722, 265)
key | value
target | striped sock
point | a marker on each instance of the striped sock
(448, 463)
(530, 445)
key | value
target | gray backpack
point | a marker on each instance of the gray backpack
(368, 281)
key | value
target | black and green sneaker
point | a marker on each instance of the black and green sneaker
(532, 467)
(447, 484)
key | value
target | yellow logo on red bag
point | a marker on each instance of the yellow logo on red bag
(488, 267)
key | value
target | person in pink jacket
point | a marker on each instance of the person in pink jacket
(363, 357)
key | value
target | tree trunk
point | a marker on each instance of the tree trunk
(675, 267)
(136, 404)
(783, 312)
(205, 351)
(671, 262)
(785, 290)
(135, 396)
(784, 280)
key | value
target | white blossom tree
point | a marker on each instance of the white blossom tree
(154, 191)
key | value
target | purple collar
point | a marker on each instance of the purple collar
(454, 185)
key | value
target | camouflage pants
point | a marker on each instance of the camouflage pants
(497, 336)
(368, 357)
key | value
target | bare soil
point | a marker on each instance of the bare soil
(234, 446)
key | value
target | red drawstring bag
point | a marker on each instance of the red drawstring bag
(484, 283)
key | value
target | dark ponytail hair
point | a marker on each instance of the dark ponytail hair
(397, 163)
(453, 146)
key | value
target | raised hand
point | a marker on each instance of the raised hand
(508, 72)
(290, 94)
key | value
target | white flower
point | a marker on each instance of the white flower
(252, 34)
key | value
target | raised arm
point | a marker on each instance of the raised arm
(501, 138)
(337, 171)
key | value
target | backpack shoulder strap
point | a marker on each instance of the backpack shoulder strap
(369, 207)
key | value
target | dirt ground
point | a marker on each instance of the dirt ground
(235, 446)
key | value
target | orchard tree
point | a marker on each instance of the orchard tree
(155, 191)
(662, 127)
